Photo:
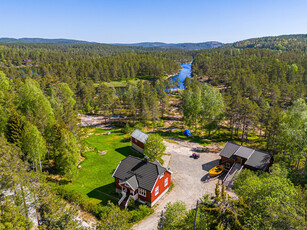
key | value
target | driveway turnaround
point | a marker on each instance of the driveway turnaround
(188, 175)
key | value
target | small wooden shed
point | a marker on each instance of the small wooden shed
(138, 140)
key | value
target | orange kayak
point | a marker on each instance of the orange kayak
(217, 170)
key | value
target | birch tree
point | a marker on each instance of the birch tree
(33, 146)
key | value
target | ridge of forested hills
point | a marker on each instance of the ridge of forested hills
(40, 40)
(185, 46)
(282, 42)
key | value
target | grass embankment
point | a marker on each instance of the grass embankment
(218, 137)
(94, 179)
(120, 84)
(123, 83)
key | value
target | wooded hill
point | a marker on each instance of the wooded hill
(185, 46)
(39, 40)
(297, 42)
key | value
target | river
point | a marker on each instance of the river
(184, 73)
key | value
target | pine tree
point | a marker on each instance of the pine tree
(227, 212)
(15, 126)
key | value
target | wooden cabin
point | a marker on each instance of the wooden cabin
(138, 140)
(248, 157)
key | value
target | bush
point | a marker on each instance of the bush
(138, 126)
(70, 195)
(75, 197)
(160, 124)
(127, 129)
(140, 213)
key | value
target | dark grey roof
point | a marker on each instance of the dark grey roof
(259, 160)
(229, 149)
(255, 158)
(139, 135)
(161, 169)
(132, 181)
(146, 173)
(244, 152)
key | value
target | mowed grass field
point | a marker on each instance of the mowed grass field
(94, 179)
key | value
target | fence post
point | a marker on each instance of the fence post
(195, 215)
(161, 222)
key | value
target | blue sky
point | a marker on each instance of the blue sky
(131, 21)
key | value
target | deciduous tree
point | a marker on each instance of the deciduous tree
(154, 147)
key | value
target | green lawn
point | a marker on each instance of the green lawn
(94, 179)
(119, 83)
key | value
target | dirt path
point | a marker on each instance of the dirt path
(187, 177)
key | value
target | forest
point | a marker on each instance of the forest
(252, 92)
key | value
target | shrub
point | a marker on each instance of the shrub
(160, 124)
(138, 126)
(127, 129)
(140, 213)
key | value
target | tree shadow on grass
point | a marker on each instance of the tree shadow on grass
(105, 193)
(127, 151)
(125, 140)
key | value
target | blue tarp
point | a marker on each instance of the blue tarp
(187, 132)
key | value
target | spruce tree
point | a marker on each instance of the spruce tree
(15, 126)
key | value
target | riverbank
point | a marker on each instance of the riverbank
(173, 75)
(185, 72)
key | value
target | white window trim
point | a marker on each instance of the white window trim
(162, 175)
(142, 192)
(156, 190)
(166, 182)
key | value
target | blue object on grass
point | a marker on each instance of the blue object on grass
(187, 133)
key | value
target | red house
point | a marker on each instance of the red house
(138, 139)
(141, 180)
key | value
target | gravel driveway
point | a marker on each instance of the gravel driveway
(187, 177)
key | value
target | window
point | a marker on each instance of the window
(142, 192)
(166, 182)
(157, 191)
(227, 165)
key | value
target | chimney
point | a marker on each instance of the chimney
(146, 159)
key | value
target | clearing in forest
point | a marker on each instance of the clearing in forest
(94, 179)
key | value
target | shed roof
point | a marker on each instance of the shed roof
(255, 158)
(145, 173)
(229, 149)
(139, 135)
(244, 152)
(259, 160)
